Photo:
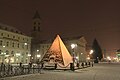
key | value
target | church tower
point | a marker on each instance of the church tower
(35, 34)
(36, 27)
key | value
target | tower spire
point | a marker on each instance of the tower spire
(36, 15)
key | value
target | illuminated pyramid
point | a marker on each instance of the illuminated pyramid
(58, 53)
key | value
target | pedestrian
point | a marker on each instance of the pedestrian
(92, 64)
(82, 65)
(30, 64)
(20, 64)
(89, 63)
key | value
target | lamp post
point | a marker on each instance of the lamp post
(73, 47)
(91, 54)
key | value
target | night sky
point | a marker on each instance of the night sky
(98, 19)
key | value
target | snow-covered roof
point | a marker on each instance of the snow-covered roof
(10, 28)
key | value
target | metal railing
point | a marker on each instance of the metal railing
(7, 70)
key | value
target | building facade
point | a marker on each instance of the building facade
(15, 47)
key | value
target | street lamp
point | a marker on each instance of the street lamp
(91, 51)
(38, 56)
(91, 55)
(73, 47)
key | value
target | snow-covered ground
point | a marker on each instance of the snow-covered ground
(102, 71)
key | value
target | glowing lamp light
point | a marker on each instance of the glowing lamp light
(76, 57)
(108, 58)
(4, 53)
(4, 46)
(88, 58)
(38, 55)
(114, 58)
(81, 53)
(72, 46)
(37, 50)
(25, 44)
(12, 60)
(91, 51)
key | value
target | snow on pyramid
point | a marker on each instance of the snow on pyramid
(58, 53)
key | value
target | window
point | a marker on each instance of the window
(18, 45)
(18, 37)
(12, 44)
(1, 34)
(8, 35)
(7, 44)
(16, 31)
(12, 53)
(1, 43)
(0, 51)
(13, 36)
(7, 52)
